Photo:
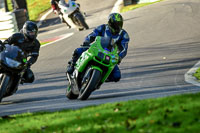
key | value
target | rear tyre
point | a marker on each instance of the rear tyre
(3, 85)
(90, 85)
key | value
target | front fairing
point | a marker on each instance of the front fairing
(69, 8)
(97, 55)
(12, 57)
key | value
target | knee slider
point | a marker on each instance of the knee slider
(29, 76)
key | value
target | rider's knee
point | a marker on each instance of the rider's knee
(117, 76)
(116, 79)
(29, 76)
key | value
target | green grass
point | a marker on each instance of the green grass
(175, 114)
(132, 7)
(35, 7)
(197, 74)
(43, 43)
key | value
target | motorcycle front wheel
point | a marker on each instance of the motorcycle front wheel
(3, 85)
(70, 94)
(69, 91)
(82, 21)
(89, 84)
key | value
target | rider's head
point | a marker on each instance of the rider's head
(30, 30)
(115, 23)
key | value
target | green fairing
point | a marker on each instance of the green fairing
(92, 53)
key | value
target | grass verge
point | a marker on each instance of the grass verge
(175, 114)
(43, 43)
(35, 7)
(132, 7)
(197, 74)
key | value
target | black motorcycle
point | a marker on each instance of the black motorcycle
(12, 67)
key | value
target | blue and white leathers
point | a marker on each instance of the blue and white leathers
(122, 40)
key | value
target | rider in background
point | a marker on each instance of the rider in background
(26, 40)
(112, 29)
(56, 9)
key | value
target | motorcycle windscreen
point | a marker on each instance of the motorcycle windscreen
(14, 52)
(106, 43)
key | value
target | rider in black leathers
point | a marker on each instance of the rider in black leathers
(26, 40)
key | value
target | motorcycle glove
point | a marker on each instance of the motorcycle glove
(28, 64)
(85, 44)
(119, 61)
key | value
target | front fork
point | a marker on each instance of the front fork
(72, 83)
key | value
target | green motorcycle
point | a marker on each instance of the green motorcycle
(92, 68)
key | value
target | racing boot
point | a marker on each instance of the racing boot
(72, 62)
(70, 68)
(63, 21)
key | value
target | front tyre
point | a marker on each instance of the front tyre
(70, 94)
(81, 20)
(90, 85)
(3, 85)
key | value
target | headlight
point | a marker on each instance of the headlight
(107, 58)
(101, 55)
(12, 63)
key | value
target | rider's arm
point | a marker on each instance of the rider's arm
(9, 40)
(96, 32)
(1, 45)
(124, 44)
(34, 53)
(15, 39)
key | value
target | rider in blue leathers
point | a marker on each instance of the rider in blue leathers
(114, 30)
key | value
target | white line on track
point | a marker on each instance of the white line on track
(116, 8)
(43, 18)
(65, 36)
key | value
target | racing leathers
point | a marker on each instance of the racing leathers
(54, 5)
(31, 49)
(122, 40)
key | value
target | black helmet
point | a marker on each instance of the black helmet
(115, 23)
(30, 30)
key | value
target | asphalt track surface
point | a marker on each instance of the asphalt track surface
(164, 45)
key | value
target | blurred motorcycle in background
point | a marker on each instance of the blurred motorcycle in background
(72, 14)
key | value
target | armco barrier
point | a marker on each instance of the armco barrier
(8, 25)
